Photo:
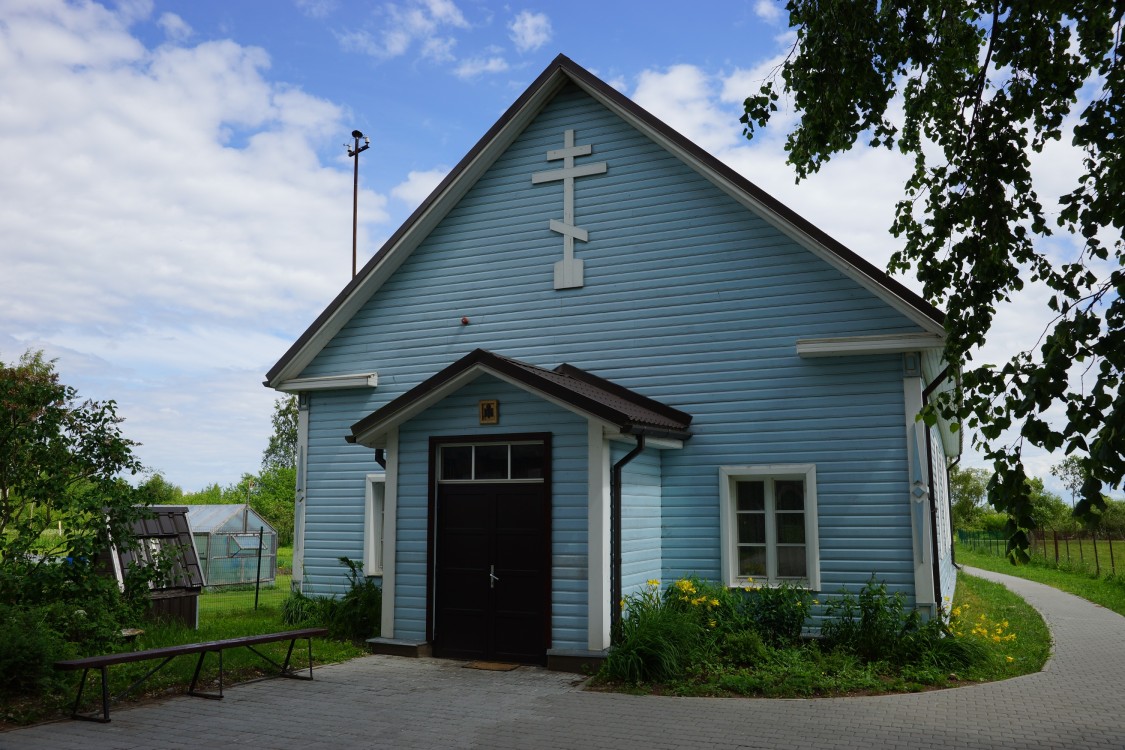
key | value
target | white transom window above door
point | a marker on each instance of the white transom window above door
(768, 524)
(523, 461)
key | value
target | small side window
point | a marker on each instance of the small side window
(373, 525)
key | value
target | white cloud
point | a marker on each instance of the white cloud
(768, 10)
(176, 28)
(474, 66)
(177, 245)
(317, 8)
(530, 31)
(683, 96)
(439, 49)
(418, 185)
(401, 26)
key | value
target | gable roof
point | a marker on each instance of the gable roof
(445, 196)
(566, 385)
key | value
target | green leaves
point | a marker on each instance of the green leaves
(982, 88)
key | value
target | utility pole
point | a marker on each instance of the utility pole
(354, 152)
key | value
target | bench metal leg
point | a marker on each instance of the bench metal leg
(104, 718)
(195, 678)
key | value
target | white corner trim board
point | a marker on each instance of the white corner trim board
(894, 343)
(327, 382)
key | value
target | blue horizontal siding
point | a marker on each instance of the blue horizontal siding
(640, 517)
(689, 298)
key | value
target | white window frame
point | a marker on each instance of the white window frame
(374, 513)
(728, 521)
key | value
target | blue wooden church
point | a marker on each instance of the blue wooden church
(595, 356)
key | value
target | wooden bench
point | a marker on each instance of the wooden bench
(168, 653)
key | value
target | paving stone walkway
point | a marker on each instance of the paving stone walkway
(1078, 701)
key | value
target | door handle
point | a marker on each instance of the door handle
(492, 576)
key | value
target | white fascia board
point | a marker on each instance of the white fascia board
(421, 228)
(768, 215)
(329, 382)
(374, 436)
(892, 343)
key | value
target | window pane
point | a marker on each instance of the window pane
(791, 528)
(791, 562)
(751, 495)
(492, 461)
(752, 561)
(527, 461)
(752, 528)
(790, 495)
(457, 462)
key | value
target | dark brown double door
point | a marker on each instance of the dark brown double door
(491, 582)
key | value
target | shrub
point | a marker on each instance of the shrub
(29, 646)
(873, 626)
(743, 648)
(779, 612)
(656, 641)
(300, 611)
(357, 615)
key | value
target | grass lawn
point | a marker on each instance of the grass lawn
(239, 664)
(1108, 591)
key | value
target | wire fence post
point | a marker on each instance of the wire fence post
(258, 577)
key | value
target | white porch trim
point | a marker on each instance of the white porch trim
(390, 535)
(597, 547)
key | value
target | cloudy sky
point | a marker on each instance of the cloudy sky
(175, 196)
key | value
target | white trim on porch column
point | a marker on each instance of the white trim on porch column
(598, 545)
(390, 535)
(298, 575)
(920, 521)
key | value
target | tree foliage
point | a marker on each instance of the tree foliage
(61, 463)
(973, 91)
(281, 452)
(968, 491)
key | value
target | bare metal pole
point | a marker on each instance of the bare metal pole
(354, 152)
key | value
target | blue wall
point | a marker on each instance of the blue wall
(689, 298)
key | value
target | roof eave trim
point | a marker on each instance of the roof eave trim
(845, 346)
(328, 382)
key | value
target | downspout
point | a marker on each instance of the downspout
(615, 535)
(381, 457)
(926, 393)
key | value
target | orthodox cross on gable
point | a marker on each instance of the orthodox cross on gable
(568, 271)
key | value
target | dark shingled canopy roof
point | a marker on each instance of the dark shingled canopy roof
(628, 410)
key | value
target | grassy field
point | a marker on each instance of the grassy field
(1108, 591)
(1102, 557)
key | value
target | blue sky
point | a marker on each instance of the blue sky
(175, 202)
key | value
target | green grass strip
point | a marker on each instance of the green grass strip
(1108, 591)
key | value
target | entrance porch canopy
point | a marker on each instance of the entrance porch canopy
(574, 389)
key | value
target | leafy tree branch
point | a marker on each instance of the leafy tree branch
(983, 87)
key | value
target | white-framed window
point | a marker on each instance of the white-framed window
(373, 527)
(768, 525)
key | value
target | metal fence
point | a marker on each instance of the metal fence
(1094, 552)
(265, 575)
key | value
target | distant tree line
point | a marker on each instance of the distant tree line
(968, 489)
(270, 492)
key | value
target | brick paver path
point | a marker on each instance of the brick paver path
(1078, 701)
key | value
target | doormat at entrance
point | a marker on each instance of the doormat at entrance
(492, 666)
